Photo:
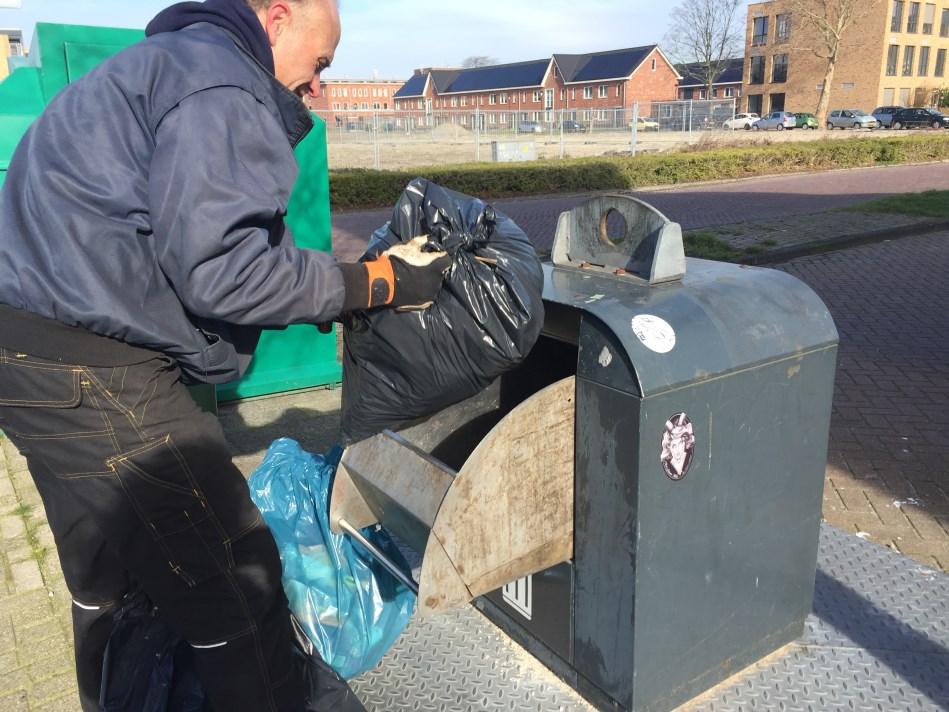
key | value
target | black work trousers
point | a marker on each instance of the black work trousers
(138, 485)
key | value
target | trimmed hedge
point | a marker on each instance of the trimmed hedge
(363, 188)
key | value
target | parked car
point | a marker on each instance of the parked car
(884, 115)
(851, 119)
(644, 123)
(530, 127)
(573, 126)
(919, 118)
(776, 120)
(741, 121)
(805, 121)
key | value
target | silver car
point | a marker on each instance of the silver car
(851, 119)
(778, 120)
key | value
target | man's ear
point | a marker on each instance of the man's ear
(276, 19)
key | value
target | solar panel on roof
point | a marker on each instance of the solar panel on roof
(612, 65)
(527, 74)
(413, 87)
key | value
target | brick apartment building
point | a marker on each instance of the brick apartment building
(895, 54)
(727, 84)
(343, 101)
(588, 87)
(11, 45)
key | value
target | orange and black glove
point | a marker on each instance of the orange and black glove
(404, 276)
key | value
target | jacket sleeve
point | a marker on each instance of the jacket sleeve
(219, 184)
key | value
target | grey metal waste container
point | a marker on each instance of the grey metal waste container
(703, 407)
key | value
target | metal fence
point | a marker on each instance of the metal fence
(402, 139)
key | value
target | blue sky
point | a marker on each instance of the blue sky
(389, 38)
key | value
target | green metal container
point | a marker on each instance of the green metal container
(297, 357)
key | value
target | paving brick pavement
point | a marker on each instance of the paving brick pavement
(36, 662)
(888, 464)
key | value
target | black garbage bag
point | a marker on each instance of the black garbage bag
(399, 366)
(147, 667)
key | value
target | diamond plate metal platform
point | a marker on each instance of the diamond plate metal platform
(878, 639)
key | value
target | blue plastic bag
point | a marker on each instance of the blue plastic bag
(350, 607)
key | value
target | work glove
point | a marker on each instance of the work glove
(404, 276)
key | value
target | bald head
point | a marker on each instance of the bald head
(303, 35)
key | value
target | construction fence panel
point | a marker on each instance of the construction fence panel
(408, 139)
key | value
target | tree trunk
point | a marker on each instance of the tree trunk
(823, 103)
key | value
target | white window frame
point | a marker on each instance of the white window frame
(604, 91)
(588, 92)
(492, 99)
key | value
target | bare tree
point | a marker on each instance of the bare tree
(479, 61)
(706, 33)
(828, 21)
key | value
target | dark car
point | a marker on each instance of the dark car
(884, 114)
(919, 118)
(573, 126)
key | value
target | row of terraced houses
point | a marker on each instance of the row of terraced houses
(896, 54)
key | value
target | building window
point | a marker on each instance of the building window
(563, 94)
(896, 21)
(754, 103)
(604, 91)
(587, 92)
(703, 94)
(504, 97)
(492, 118)
(904, 97)
(538, 95)
(345, 92)
(777, 102)
(892, 58)
(929, 16)
(908, 54)
(729, 92)
(454, 102)
(760, 34)
(493, 99)
(654, 64)
(687, 94)
(757, 70)
(421, 104)
(782, 28)
(333, 91)
(940, 69)
(464, 101)
(944, 24)
(888, 95)
(923, 67)
(912, 23)
(780, 69)
(376, 105)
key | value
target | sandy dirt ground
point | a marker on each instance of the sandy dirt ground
(449, 145)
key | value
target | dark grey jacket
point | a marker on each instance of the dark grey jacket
(147, 204)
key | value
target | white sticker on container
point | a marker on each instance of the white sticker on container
(655, 333)
(606, 358)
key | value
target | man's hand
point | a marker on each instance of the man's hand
(404, 276)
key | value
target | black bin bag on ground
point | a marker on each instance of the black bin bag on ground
(147, 667)
(400, 366)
